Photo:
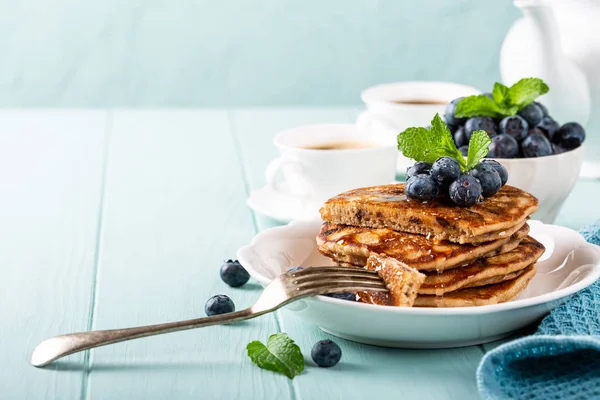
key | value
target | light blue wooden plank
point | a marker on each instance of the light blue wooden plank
(366, 371)
(174, 210)
(51, 166)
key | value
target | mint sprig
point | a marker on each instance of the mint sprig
(428, 145)
(280, 354)
(505, 101)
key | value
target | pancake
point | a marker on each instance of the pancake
(403, 282)
(477, 296)
(485, 270)
(387, 206)
(349, 245)
(480, 296)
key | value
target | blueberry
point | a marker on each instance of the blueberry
(504, 146)
(294, 269)
(542, 107)
(502, 172)
(464, 150)
(488, 178)
(326, 353)
(480, 123)
(460, 137)
(532, 113)
(537, 130)
(515, 126)
(420, 167)
(444, 170)
(343, 296)
(421, 187)
(449, 114)
(465, 191)
(536, 145)
(549, 126)
(233, 274)
(569, 136)
(219, 304)
(557, 149)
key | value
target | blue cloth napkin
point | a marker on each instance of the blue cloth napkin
(560, 361)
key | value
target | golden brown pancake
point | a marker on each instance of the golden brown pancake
(349, 245)
(402, 281)
(386, 206)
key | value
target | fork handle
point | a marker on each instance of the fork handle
(63, 345)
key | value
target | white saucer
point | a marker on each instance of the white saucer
(281, 206)
(273, 251)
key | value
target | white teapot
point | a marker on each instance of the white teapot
(559, 41)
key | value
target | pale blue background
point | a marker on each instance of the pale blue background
(135, 53)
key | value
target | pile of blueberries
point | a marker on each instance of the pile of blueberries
(325, 353)
(530, 133)
(426, 181)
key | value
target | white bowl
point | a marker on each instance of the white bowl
(275, 250)
(550, 179)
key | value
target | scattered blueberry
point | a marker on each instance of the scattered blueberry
(504, 146)
(536, 145)
(549, 126)
(233, 274)
(417, 168)
(421, 187)
(294, 269)
(542, 107)
(515, 126)
(449, 114)
(569, 136)
(532, 113)
(219, 304)
(444, 170)
(488, 178)
(465, 191)
(480, 123)
(502, 172)
(460, 137)
(326, 353)
(464, 150)
(343, 296)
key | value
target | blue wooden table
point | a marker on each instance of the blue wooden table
(122, 218)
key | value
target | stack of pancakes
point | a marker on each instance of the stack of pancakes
(469, 256)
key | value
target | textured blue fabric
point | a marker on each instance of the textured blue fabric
(560, 361)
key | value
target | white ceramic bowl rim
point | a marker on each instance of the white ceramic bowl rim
(446, 311)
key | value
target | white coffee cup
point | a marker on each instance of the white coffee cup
(314, 175)
(400, 105)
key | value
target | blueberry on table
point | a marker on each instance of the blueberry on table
(502, 172)
(233, 274)
(420, 167)
(488, 178)
(444, 170)
(464, 150)
(542, 107)
(465, 191)
(532, 113)
(326, 353)
(449, 117)
(421, 187)
(460, 137)
(514, 126)
(343, 296)
(569, 136)
(549, 126)
(536, 145)
(504, 146)
(480, 123)
(219, 304)
(294, 269)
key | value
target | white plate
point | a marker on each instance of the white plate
(275, 250)
(281, 206)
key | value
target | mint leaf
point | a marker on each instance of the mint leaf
(479, 145)
(280, 354)
(500, 94)
(473, 106)
(428, 145)
(525, 91)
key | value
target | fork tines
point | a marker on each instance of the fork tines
(336, 278)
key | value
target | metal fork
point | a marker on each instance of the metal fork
(283, 290)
